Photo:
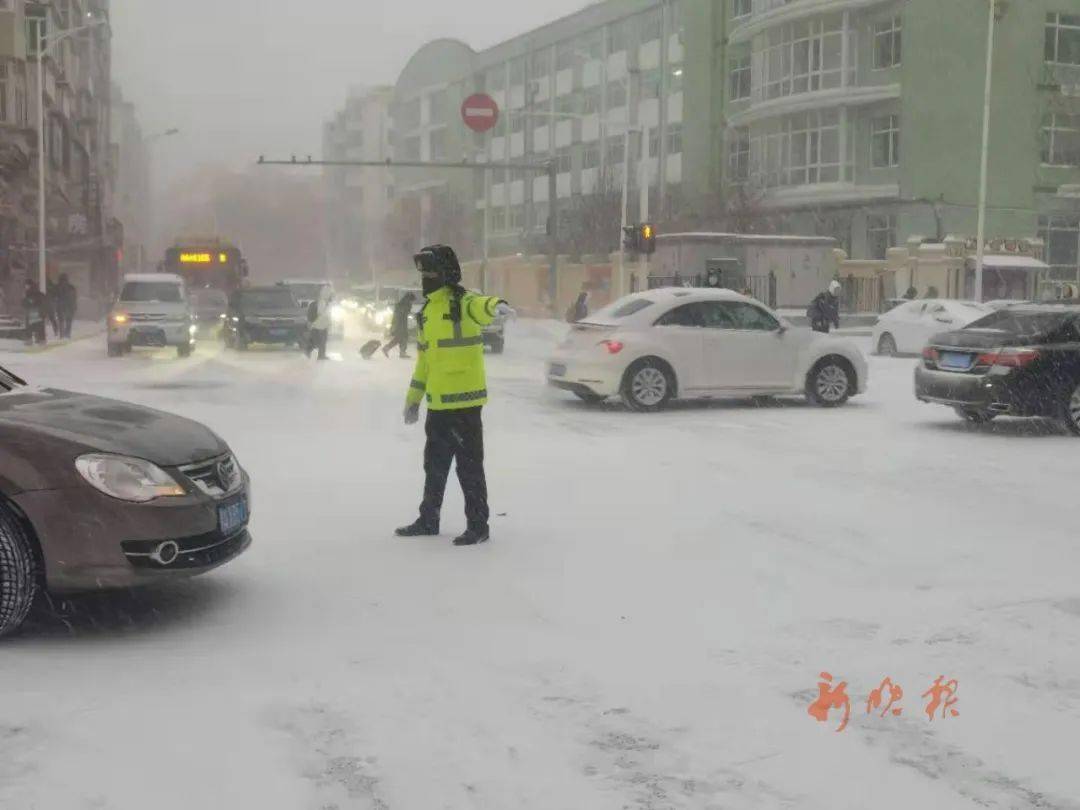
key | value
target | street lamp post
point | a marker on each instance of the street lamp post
(980, 248)
(44, 42)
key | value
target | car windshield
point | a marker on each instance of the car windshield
(306, 292)
(269, 299)
(621, 309)
(210, 298)
(1025, 324)
(157, 292)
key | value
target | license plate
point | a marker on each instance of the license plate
(557, 370)
(278, 332)
(955, 360)
(232, 516)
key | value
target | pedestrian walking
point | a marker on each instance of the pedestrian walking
(399, 326)
(824, 310)
(67, 299)
(579, 310)
(450, 376)
(35, 311)
(52, 306)
(319, 320)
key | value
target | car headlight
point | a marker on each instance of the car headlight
(126, 478)
(337, 313)
(382, 316)
(119, 318)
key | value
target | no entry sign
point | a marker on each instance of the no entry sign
(480, 112)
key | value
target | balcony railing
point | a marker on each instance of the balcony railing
(1065, 78)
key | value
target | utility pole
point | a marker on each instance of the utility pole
(980, 255)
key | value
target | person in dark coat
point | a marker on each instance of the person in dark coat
(824, 310)
(52, 306)
(579, 310)
(399, 326)
(35, 308)
(67, 303)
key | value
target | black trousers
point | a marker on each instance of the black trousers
(399, 340)
(66, 318)
(455, 435)
(317, 342)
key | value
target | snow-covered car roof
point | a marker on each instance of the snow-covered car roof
(163, 278)
(644, 307)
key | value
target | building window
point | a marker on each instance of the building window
(739, 156)
(650, 84)
(802, 57)
(1063, 39)
(797, 150)
(675, 80)
(674, 139)
(517, 218)
(885, 142)
(615, 151)
(654, 142)
(741, 8)
(887, 43)
(540, 64)
(37, 28)
(740, 78)
(1061, 140)
(498, 219)
(437, 107)
(438, 144)
(619, 35)
(616, 94)
(408, 115)
(564, 160)
(496, 79)
(880, 234)
(590, 157)
(593, 100)
(1062, 238)
(652, 25)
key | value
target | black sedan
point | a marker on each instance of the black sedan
(1020, 361)
(265, 315)
(99, 494)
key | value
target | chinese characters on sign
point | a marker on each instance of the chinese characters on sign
(885, 700)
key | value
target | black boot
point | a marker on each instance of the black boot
(417, 529)
(472, 537)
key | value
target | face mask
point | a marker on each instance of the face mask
(431, 284)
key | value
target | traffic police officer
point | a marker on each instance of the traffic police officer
(450, 376)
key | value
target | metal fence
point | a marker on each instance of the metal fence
(862, 294)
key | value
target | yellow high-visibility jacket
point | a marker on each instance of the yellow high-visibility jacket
(450, 355)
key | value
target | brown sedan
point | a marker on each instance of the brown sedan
(99, 494)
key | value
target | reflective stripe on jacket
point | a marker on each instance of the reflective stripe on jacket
(450, 356)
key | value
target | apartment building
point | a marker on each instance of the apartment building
(131, 193)
(575, 91)
(83, 236)
(864, 117)
(357, 198)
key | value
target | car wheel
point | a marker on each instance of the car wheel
(18, 573)
(830, 383)
(974, 417)
(647, 386)
(241, 343)
(184, 350)
(887, 345)
(1071, 417)
(116, 349)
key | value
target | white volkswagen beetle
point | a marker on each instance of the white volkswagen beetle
(679, 343)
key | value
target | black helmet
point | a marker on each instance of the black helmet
(439, 259)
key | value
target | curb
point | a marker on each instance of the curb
(52, 346)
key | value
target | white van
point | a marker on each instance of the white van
(152, 310)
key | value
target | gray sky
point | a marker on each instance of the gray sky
(244, 77)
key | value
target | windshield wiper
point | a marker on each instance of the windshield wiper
(14, 377)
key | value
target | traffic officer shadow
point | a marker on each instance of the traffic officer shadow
(111, 614)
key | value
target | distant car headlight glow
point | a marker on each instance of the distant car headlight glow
(337, 312)
(119, 317)
(383, 316)
(127, 479)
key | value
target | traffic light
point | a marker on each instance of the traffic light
(640, 239)
(646, 238)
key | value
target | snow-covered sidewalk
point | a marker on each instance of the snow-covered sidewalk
(80, 330)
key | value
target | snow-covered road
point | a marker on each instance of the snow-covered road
(646, 629)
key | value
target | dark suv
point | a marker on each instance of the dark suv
(1020, 361)
(264, 315)
(97, 494)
